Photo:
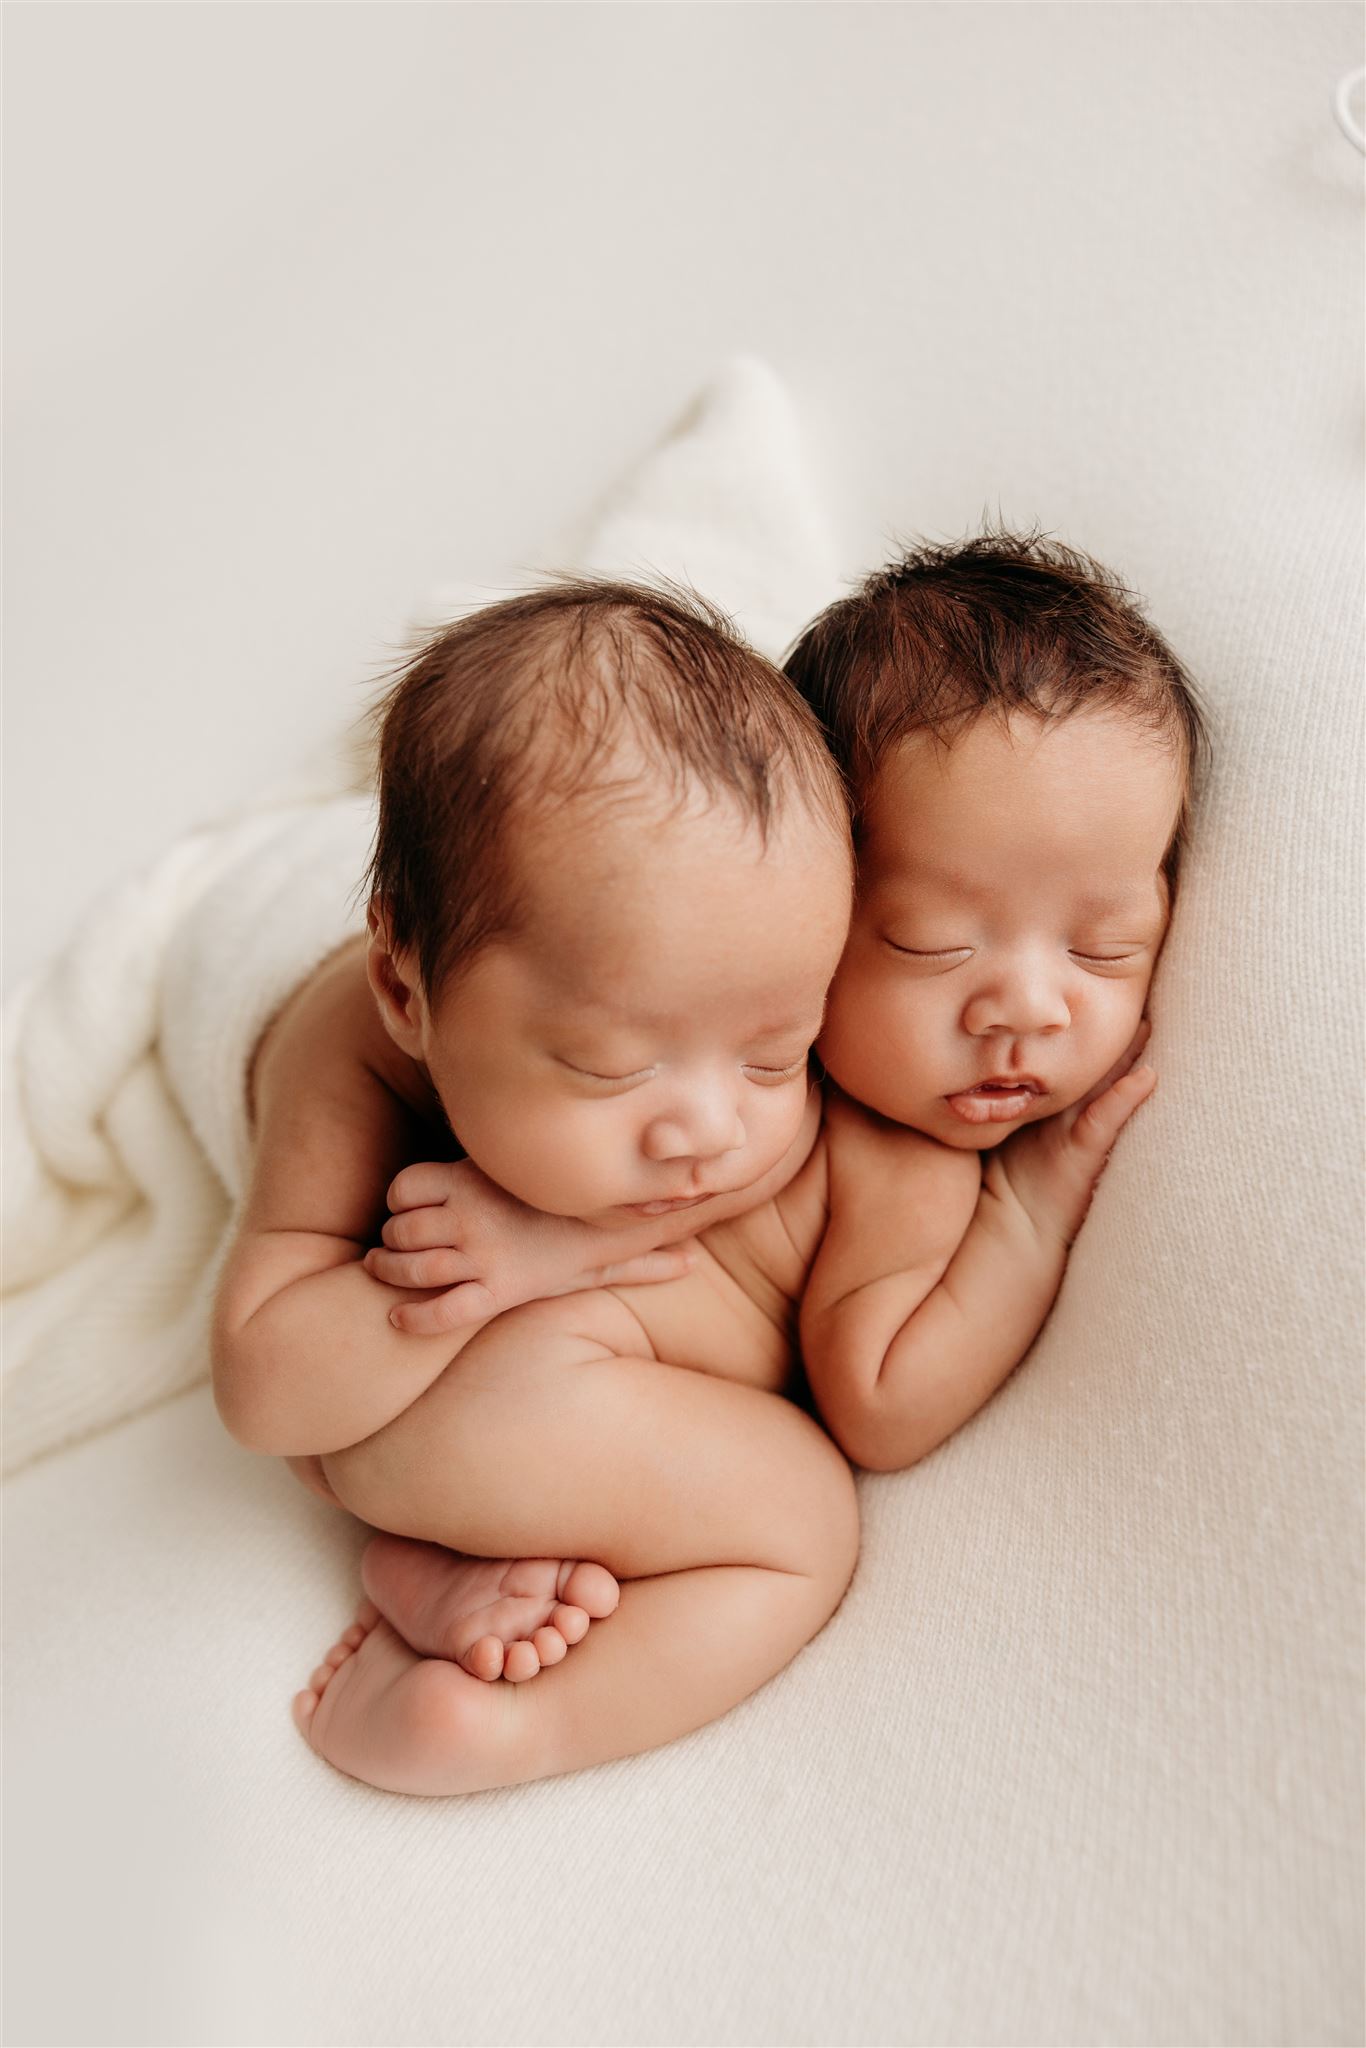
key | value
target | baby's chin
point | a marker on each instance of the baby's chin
(974, 1137)
(939, 1121)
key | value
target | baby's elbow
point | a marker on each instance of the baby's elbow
(879, 1455)
(237, 1415)
(865, 1446)
(878, 1442)
(237, 1395)
(853, 1428)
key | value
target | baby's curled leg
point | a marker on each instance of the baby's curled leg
(729, 1513)
(505, 1617)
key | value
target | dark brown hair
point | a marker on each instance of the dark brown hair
(524, 703)
(995, 624)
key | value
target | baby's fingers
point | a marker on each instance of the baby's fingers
(669, 1264)
(455, 1310)
(439, 1268)
(1101, 1122)
(417, 1186)
(418, 1230)
(1123, 1065)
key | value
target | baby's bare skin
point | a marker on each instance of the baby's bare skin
(653, 1467)
(726, 1509)
(558, 1429)
(468, 1467)
(733, 1315)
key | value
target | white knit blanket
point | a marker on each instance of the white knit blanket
(125, 1063)
(126, 1132)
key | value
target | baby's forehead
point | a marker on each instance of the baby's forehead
(661, 930)
(1079, 811)
(632, 818)
(1036, 778)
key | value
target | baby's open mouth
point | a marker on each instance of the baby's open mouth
(998, 1101)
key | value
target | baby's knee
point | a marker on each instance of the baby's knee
(824, 1514)
(309, 1472)
(378, 1478)
(842, 1524)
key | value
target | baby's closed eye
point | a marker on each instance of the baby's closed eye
(771, 1076)
(608, 1080)
(1100, 957)
(935, 959)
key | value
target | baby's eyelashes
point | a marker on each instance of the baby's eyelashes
(586, 1073)
(934, 957)
(1117, 962)
(764, 1073)
(941, 959)
(773, 1076)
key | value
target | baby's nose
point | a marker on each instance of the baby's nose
(702, 1128)
(1020, 1006)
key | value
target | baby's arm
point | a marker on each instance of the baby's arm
(304, 1356)
(935, 1275)
(306, 1352)
(452, 1228)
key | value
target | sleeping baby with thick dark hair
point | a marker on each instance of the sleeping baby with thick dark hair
(605, 1001)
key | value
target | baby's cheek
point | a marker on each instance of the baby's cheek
(868, 1046)
(1117, 1018)
(560, 1158)
(773, 1125)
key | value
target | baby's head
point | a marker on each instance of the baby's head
(611, 883)
(1021, 747)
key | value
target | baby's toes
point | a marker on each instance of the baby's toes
(589, 1586)
(530, 1578)
(484, 1659)
(521, 1661)
(346, 1645)
(304, 1703)
(572, 1623)
(550, 1646)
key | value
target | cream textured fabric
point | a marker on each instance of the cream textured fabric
(1079, 1759)
(125, 1110)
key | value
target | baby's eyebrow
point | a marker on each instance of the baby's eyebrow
(937, 876)
(1117, 904)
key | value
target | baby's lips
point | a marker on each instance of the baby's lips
(993, 1109)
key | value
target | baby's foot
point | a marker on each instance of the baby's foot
(381, 1713)
(492, 1617)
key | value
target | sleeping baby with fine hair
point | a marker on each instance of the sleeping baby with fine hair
(612, 887)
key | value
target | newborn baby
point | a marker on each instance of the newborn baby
(612, 883)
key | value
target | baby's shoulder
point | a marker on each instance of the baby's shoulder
(327, 1042)
(335, 1106)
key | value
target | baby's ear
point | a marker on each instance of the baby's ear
(395, 983)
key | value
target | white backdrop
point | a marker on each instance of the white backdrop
(310, 306)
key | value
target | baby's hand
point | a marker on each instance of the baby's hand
(1052, 1168)
(452, 1228)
